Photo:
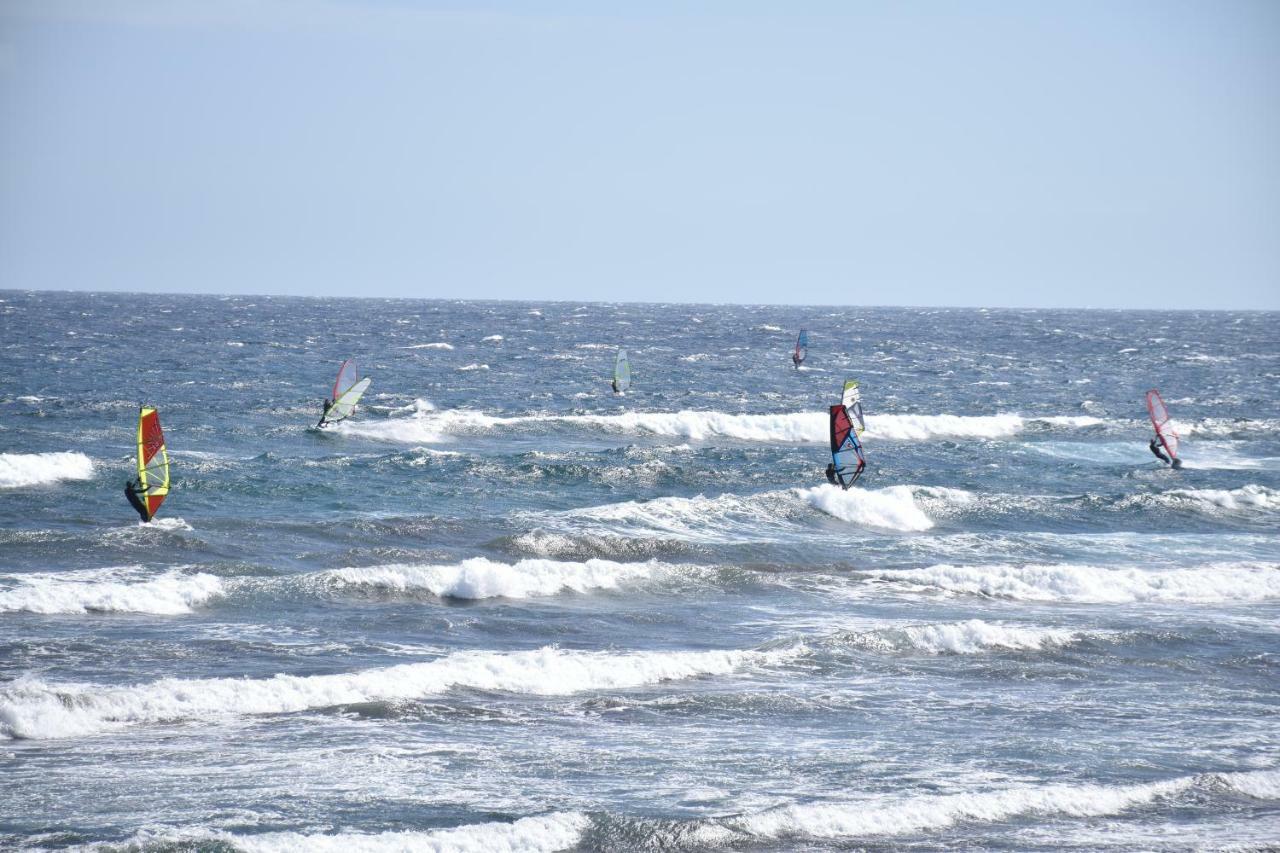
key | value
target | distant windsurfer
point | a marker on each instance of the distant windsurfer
(324, 415)
(614, 383)
(131, 490)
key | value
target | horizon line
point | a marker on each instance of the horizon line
(561, 300)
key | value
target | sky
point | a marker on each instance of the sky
(1061, 153)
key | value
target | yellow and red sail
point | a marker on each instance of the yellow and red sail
(152, 485)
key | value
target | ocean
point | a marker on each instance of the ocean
(501, 608)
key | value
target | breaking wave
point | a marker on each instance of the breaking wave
(1244, 498)
(118, 590)
(892, 508)
(479, 578)
(901, 816)
(543, 834)
(20, 470)
(973, 636)
(795, 427)
(1223, 582)
(765, 516)
(32, 708)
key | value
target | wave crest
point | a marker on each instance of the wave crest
(21, 470)
(108, 591)
(479, 578)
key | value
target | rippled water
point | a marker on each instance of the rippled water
(502, 606)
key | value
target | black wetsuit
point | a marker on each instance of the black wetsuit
(328, 404)
(131, 492)
(1155, 448)
(615, 386)
(831, 473)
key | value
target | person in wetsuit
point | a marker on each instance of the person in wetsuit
(831, 473)
(131, 490)
(328, 404)
(1154, 447)
(614, 383)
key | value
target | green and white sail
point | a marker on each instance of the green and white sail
(851, 399)
(347, 390)
(621, 372)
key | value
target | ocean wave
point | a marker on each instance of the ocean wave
(479, 578)
(1245, 498)
(473, 366)
(538, 834)
(543, 834)
(1217, 582)
(901, 816)
(892, 508)
(973, 636)
(795, 427)
(20, 470)
(32, 708)
(763, 516)
(435, 345)
(116, 590)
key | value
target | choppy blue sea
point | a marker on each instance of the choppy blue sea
(503, 609)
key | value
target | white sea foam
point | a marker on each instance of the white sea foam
(492, 338)
(975, 636)
(1259, 784)
(1215, 582)
(115, 590)
(764, 516)
(436, 345)
(898, 816)
(32, 708)
(474, 366)
(1244, 498)
(794, 427)
(542, 834)
(482, 578)
(892, 508)
(19, 470)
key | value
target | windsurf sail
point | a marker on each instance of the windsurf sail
(846, 453)
(1164, 426)
(621, 373)
(347, 390)
(151, 486)
(802, 348)
(851, 399)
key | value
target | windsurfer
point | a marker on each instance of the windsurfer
(324, 415)
(131, 489)
(615, 386)
(831, 473)
(1154, 447)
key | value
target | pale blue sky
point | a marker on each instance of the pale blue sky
(1107, 154)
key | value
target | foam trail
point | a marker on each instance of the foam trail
(108, 591)
(20, 470)
(32, 708)
(479, 578)
(1220, 582)
(543, 834)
